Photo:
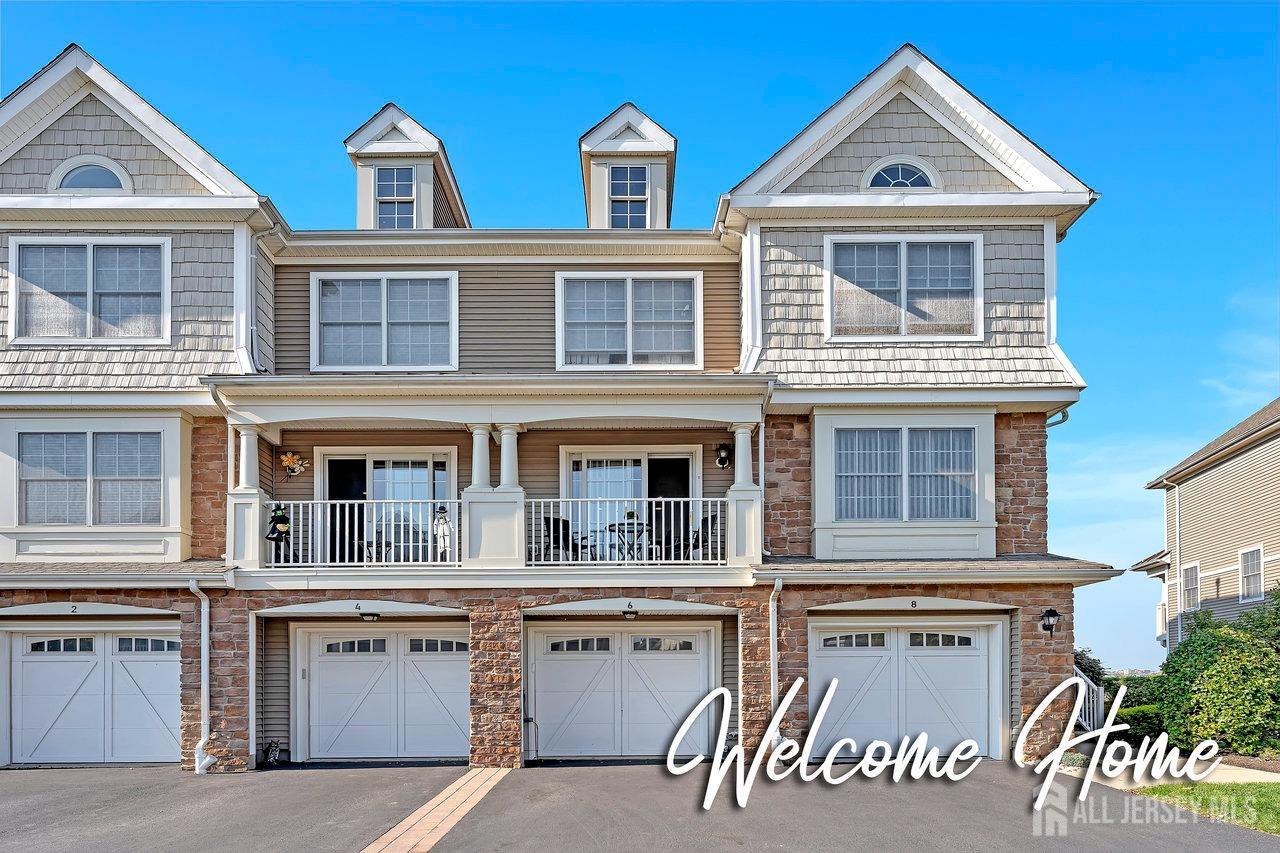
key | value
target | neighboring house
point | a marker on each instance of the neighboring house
(1222, 527)
(545, 487)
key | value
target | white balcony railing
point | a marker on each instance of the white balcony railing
(365, 533)
(1093, 713)
(627, 531)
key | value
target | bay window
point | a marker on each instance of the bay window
(890, 286)
(608, 320)
(935, 468)
(366, 321)
(103, 289)
(80, 478)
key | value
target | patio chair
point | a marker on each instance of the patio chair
(703, 538)
(558, 537)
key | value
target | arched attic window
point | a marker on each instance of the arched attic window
(900, 176)
(90, 174)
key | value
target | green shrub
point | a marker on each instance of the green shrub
(1263, 621)
(1223, 684)
(1088, 663)
(1139, 689)
(1143, 721)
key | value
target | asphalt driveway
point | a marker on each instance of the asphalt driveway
(572, 809)
(643, 808)
(163, 808)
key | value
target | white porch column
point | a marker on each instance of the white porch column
(509, 464)
(744, 526)
(742, 456)
(479, 455)
(248, 458)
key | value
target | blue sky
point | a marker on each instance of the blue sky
(1169, 298)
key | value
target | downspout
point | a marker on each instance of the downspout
(773, 644)
(252, 342)
(1062, 419)
(203, 760)
(1176, 566)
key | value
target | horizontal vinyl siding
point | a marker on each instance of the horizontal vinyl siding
(729, 667)
(264, 314)
(507, 314)
(1231, 506)
(538, 451)
(273, 685)
(441, 212)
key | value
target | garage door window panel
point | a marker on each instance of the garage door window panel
(362, 646)
(435, 645)
(651, 643)
(62, 645)
(581, 644)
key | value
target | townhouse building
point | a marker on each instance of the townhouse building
(426, 490)
(1221, 551)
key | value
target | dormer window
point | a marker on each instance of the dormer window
(900, 176)
(394, 193)
(628, 196)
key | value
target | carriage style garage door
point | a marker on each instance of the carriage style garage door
(93, 696)
(899, 681)
(386, 694)
(602, 692)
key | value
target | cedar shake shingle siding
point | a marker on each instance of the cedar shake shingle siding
(90, 127)
(201, 328)
(1013, 351)
(901, 127)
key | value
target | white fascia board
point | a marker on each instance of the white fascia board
(111, 580)
(247, 203)
(1067, 366)
(1077, 577)
(146, 119)
(615, 606)
(596, 577)
(921, 396)
(360, 606)
(1065, 200)
(365, 139)
(904, 64)
(596, 139)
(80, 400)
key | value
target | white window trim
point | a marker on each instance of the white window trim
(894, 539)
(931, 173)
(1262, 573)
(67, 166)
(89, 241)
(627, 451)
(830, 241)
(371, 453)
(348, 275)
(904, 474)
(412, 199)
(1182, 588)
(629, 276)
(647, 197)
(90, 487)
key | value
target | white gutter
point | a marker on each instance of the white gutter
(835, 576)
(203, 760)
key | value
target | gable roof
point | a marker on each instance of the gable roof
(1242, 436)
(628, 131)
(74, 75)
(909, 72)
(393, 132)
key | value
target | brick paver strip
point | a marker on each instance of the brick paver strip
(421, 830)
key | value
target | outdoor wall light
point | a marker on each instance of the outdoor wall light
(1049, 620)
(724, 455)
(370, 617)
(630, 612)
(278, 526)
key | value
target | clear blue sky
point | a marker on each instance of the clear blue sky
(1168, 288)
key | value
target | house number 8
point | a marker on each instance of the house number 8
(913, 602)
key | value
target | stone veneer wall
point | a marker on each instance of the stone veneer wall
(1022, 484)
(496, 627)
(788, 485)
(1044, 662)
(208, 487)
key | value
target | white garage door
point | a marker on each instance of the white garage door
(619, 693)
(897, 682)
(86, 697)
(390, 694)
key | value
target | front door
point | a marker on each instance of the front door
(387, 508)
(346, 482)
(670, 485)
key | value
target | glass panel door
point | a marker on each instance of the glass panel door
(408, 521)
(612, 516)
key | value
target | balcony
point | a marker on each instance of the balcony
(310, 534)
(627, 531)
